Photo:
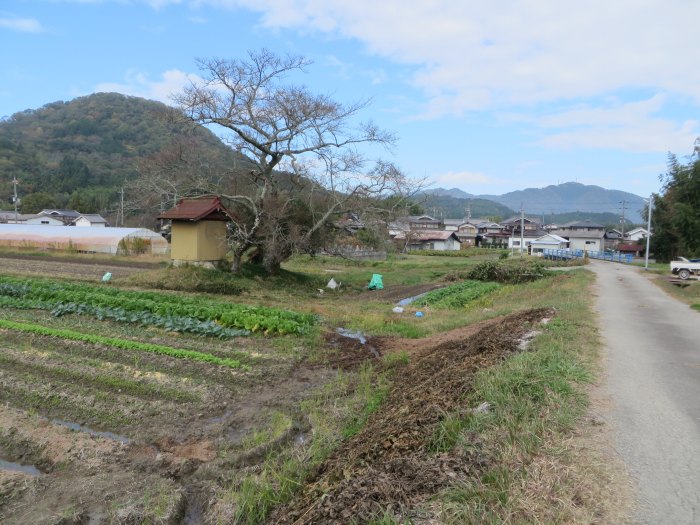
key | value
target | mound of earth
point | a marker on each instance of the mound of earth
(388, 465)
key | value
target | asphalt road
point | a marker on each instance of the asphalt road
(652, 358)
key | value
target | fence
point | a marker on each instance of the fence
(575, 254)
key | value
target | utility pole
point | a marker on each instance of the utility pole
(120, 218)
(623, 219)
(14, 198)
(522, 228)
(646, 256)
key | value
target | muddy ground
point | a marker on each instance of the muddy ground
(119, 438)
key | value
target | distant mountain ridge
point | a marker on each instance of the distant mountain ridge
(558, 199)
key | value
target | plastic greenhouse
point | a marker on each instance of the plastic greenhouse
(92, 240)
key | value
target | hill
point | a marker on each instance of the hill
(91, 145)
(455, 208)
(572, 196)
(568, 198)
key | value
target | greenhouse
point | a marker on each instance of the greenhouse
(90, 240)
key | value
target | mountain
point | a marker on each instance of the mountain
(566, 198)
(452, 192)
(91, 145)
(457, 208)
(572, 196)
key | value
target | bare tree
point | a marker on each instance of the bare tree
(305, 164)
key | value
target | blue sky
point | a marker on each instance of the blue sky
(488, 97)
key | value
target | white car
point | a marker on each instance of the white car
(685, 268)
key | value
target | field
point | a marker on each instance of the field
(143, 401)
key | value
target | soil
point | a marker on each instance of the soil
(388, 465)
(91, 271)
(181, 452)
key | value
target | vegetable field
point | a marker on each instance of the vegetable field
(122, 405)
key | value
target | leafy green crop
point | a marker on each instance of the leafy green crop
(458, 295)
(124, 344)
(174, 312)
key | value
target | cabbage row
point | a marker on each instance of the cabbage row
(124, 344)
(173, 312)
(458, 295)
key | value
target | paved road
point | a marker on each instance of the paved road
(652, 345)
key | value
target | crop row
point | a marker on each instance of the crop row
(123, 344)
(458, 295)
(166, 306)
(175, 324)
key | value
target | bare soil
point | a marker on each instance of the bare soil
(179, 451)
(87, 271)
(388, 465)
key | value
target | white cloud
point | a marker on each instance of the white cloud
(633, 126)
(139, 85)
(24, 25)
(480, 55)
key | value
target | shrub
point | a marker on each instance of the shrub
(507, 273)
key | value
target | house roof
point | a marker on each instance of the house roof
(637, 230)
(93, 218)
(578, 234)
(583, 224)
(60, 213)
(197, 209)
(550, 238)
(435, 235)
(516, 220)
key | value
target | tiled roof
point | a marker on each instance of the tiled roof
(209, 208)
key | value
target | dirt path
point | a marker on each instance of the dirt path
(652, 358)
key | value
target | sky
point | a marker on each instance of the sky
(488, 97)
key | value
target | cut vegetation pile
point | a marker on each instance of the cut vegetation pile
(388, 468)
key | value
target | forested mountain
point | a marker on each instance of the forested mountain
(563, 198)
(456, 208)
(78, 154)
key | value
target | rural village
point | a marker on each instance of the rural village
(331, 263)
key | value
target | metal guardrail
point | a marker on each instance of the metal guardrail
(576, 254)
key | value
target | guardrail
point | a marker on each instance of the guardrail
(576, 254)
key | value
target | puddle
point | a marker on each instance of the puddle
(87, 430)
(17, 467)
(409, 300)
(219, 419)
(352, 335)
(359, 336)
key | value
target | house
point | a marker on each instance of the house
(512, 225)
(65, 216)
(515, 238)
(9, 217)
(584, 226)
(548, 241)
(591, 241)
(491, 233)
(429, 240)
(467, 233)
(198, 232)
(90, 220)
(632, 249)
(583, 235)
(612, 239)
(636, 234)
(424, 222)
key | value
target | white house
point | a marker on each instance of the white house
(9, 217)
(549, 241)
(90, 220)
(591, 241)
(429, 240)
(637, 234)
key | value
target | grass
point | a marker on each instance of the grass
(535, 400)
